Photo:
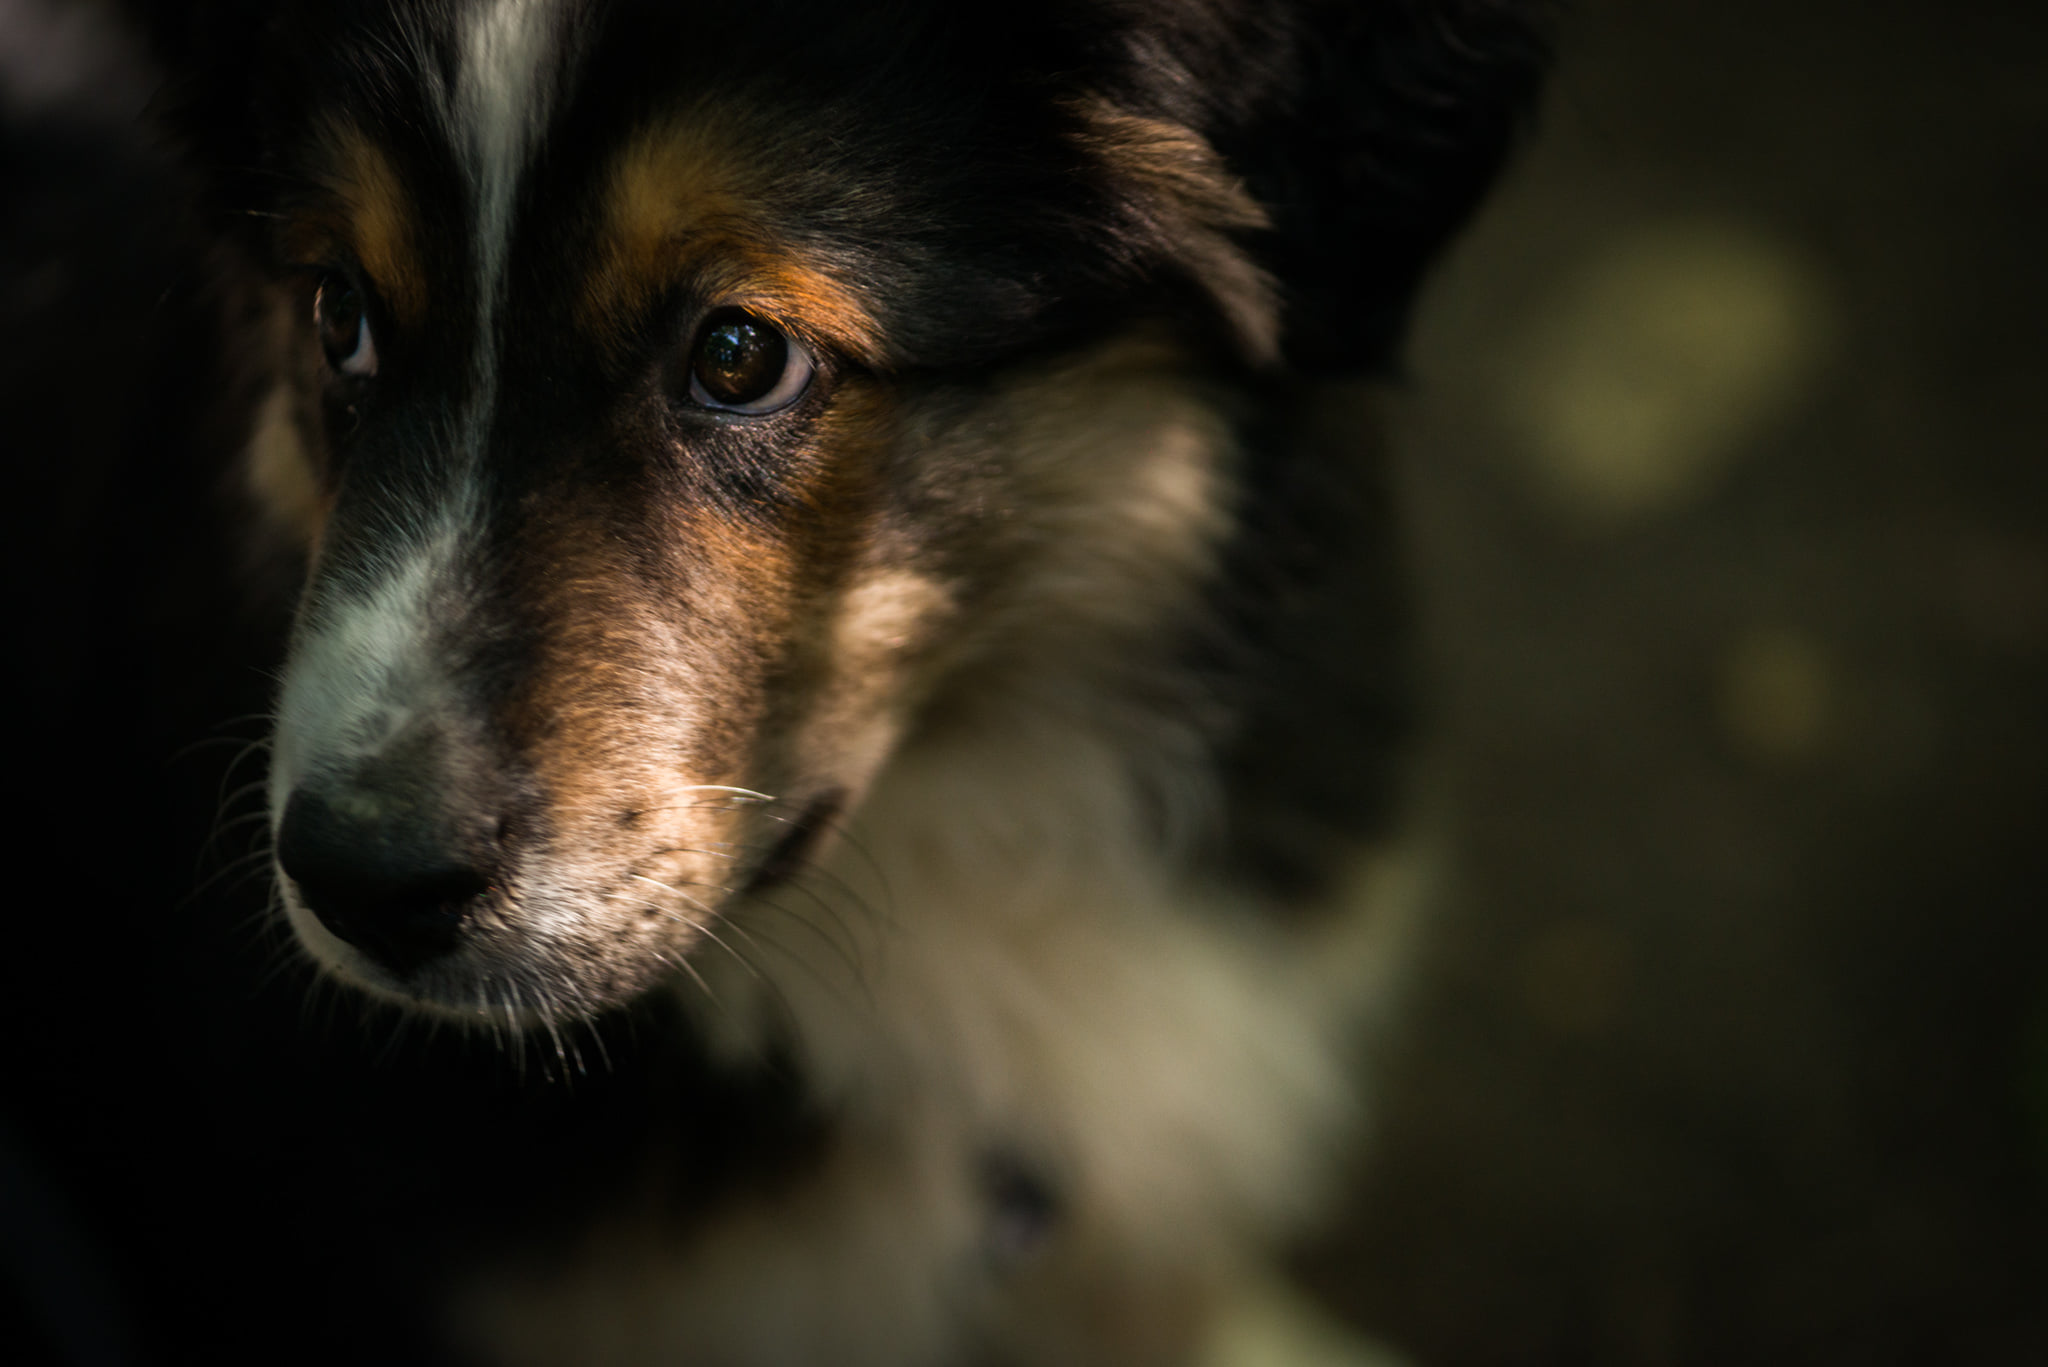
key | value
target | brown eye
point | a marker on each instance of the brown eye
(344, 327)
(743, 363)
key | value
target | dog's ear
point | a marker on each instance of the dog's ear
(1366, 131)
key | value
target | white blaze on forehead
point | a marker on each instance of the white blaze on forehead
(503, 93)
(364, 668)
(367, 664)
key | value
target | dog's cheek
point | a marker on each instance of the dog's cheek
(869, 596)
(875, 667)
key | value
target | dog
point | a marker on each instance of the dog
(856, 527)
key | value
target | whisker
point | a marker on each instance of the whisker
(511, 1005)
(229, 799)
(248, 864)
(259, 746)
(683, 962)
(226, 802)
(483, 1013)
(831, 985)
(547, 1021)
(846, 944)
(747, 935)
(204, 742)
(399, 1025)
(713, 851)
(735, 799)
(701, 927)
(587, 1020)
(842, 831)
(208, 851)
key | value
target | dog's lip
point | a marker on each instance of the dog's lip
(479, 985)
(797, 843)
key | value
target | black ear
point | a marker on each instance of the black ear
(1368, 130)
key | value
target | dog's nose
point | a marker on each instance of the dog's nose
(380, 871)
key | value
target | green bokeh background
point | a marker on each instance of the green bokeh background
(1727, 461)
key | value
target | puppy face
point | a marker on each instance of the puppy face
(644, 519)
(696, 395)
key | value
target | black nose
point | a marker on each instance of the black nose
(380, 871)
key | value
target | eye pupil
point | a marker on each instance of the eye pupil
(738, 358)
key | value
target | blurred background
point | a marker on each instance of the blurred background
(1725, 460)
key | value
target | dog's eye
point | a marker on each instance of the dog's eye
(344, 328)
(743, 363)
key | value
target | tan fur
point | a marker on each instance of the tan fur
(685, 202)
(365, 215)
(279, 473)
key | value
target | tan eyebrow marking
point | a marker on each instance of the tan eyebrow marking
(680, 203)
(363, 209)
